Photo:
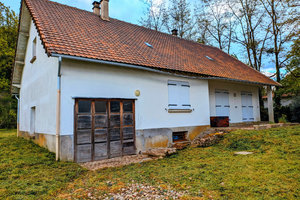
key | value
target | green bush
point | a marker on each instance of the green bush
(8, 112)
(295, 109)
(283, 119)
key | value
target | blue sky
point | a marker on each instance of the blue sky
(126, 10)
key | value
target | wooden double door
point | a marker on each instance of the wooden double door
(104, 128)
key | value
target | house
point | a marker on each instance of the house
(286, 100)
(91, 87)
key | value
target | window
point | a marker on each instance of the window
(179, 95)
(33, 50)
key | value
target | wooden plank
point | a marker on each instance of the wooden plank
(129, 150)
(108, 133)
(115, 120)
(84, 153)
(100, 121)
(128, 147)
(75, 130)
(134, 135)
(84, 122)
(121, 126)
(100, 135)
(115, 134)
(128, 133)
(93, 129)
(100, 151)
(115, 149)
(84, 136)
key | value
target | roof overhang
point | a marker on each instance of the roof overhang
(22, 40)
(158, 70)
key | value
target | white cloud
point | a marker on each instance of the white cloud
(268, 74)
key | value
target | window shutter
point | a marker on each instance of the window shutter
(185, 95)
(179, 95)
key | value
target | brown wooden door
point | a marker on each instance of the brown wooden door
(103, 129)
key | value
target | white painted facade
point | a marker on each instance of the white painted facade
(38, 89)
(235, 101)
(83, 79)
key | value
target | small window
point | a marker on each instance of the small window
(127, 106)
(33, 50)
(179, 95)
(84, 106)
(100, 107)
(115, 106)
(179, 136)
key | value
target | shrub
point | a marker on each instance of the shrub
(295, 109)
(8, 112)
(283, 119)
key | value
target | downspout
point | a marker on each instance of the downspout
(58, 108)
(18, 114)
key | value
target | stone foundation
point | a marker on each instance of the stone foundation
(162, 137)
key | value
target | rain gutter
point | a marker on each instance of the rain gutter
(153, 70)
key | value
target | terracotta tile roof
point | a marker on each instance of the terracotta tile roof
(71, 31)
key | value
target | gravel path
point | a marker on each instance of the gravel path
(143, 192)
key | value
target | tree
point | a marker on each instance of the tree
(251, 31)
(179, 15)
(291, 82)
(215, 23)
(8, 38)
(284, 16)
(156, 16)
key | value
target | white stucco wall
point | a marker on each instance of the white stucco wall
(38, 88)
(284, 102)
(235, 111)
(82, 79)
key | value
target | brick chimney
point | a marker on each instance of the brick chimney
(175, 32)
(96, 8)
(104, 10)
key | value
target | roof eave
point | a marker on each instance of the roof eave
(158, 70)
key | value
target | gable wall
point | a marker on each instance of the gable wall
(235, 102)
(38, 88)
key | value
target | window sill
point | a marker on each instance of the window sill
(180, 110)
(33, 59)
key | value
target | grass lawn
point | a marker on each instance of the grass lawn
(272, 172)
(28, 171)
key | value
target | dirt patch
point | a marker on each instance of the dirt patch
(143, 192)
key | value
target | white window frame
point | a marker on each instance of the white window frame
(178, 95)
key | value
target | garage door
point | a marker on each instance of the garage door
(103, 129)
(247, 107)
(222, 103)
